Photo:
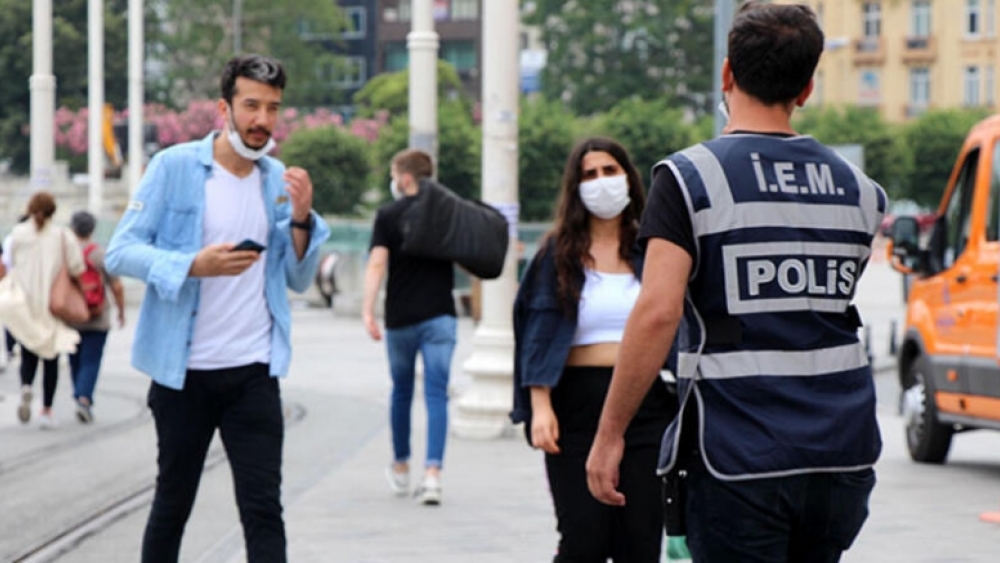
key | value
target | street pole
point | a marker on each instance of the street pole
(237, 26)
(95, 104)
(723, 21)
(42, 86)
(482, 411)
(422, 44)
(136, 92)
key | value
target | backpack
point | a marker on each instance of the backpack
(92, 284)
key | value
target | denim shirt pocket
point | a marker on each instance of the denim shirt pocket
(178, 229)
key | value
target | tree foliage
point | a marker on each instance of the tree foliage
(887, 158)
(601, 52)
(197, 39)
(69, 36)
(339, 165)
(546, 133)
(649, 130)
(390, 91)
(935, 140)
(459, 149)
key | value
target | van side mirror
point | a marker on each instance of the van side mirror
(905, 237)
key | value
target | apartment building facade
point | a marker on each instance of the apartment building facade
(904, 57)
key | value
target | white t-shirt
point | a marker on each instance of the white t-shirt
(233, 324)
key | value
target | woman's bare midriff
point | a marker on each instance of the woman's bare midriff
(603, 354)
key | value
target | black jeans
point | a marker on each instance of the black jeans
(50, 368)
(592, 532)
(244, 403)
(810, 518)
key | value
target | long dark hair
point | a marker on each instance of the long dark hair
(571, 230)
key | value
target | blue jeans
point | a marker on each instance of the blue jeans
(435, 340)
(811, 518)
(85, 363)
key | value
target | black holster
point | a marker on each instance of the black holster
(675, 499)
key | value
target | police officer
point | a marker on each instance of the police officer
(755, 241)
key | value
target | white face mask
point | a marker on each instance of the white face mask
(394, 189)
(605, 197)
(240, 147)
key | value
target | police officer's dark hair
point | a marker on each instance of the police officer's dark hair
(774, 50)
(255, 67)
(570, 234)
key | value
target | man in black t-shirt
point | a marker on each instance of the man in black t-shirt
(419, 316)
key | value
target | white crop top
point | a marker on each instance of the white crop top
(605, 303)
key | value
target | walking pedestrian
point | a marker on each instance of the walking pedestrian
(38, 250)
(85, 363)
(569, 315)
(755, 242)
(214, 328)
(419, 317)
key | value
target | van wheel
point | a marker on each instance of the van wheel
(927, 439)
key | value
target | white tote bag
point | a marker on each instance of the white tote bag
(16, 315)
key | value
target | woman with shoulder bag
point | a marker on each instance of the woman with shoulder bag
(39, 252)
(569, 317)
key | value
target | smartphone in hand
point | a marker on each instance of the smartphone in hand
(250, 244)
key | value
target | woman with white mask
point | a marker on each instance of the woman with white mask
(569, 316)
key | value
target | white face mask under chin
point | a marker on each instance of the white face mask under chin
(605, 197)
(395, 191)
(240, 147)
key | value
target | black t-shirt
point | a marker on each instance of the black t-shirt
(418, 288)
(666, 215)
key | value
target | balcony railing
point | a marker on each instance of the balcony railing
(869, 51)
(919, 50)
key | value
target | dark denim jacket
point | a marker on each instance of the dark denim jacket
(543, 334)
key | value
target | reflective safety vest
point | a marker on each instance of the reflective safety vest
(768, 345)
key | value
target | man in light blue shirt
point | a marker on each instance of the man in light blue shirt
(219, 232)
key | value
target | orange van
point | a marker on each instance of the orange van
(949, 367)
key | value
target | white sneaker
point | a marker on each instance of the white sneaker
(399, 483)
(24, 409)
(429, 492)
(47, 421)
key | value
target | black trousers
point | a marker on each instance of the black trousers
(244, 403)
(592, 532)
(50, 369)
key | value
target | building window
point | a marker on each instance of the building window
(920, 18)
(991, 86)
(398, 13)
(869, 88)
(464, 9)
(973, 22)
(351, 73)
(396, 56)
(461, 54)
(920, 88)
(872, 22)
(991, 18)
(356, 22)
(971, 86)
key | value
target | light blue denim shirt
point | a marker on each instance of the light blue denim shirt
(157, 240)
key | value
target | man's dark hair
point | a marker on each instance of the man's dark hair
(255, 67)
(774, 50)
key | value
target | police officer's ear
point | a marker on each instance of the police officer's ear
(800, 100)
